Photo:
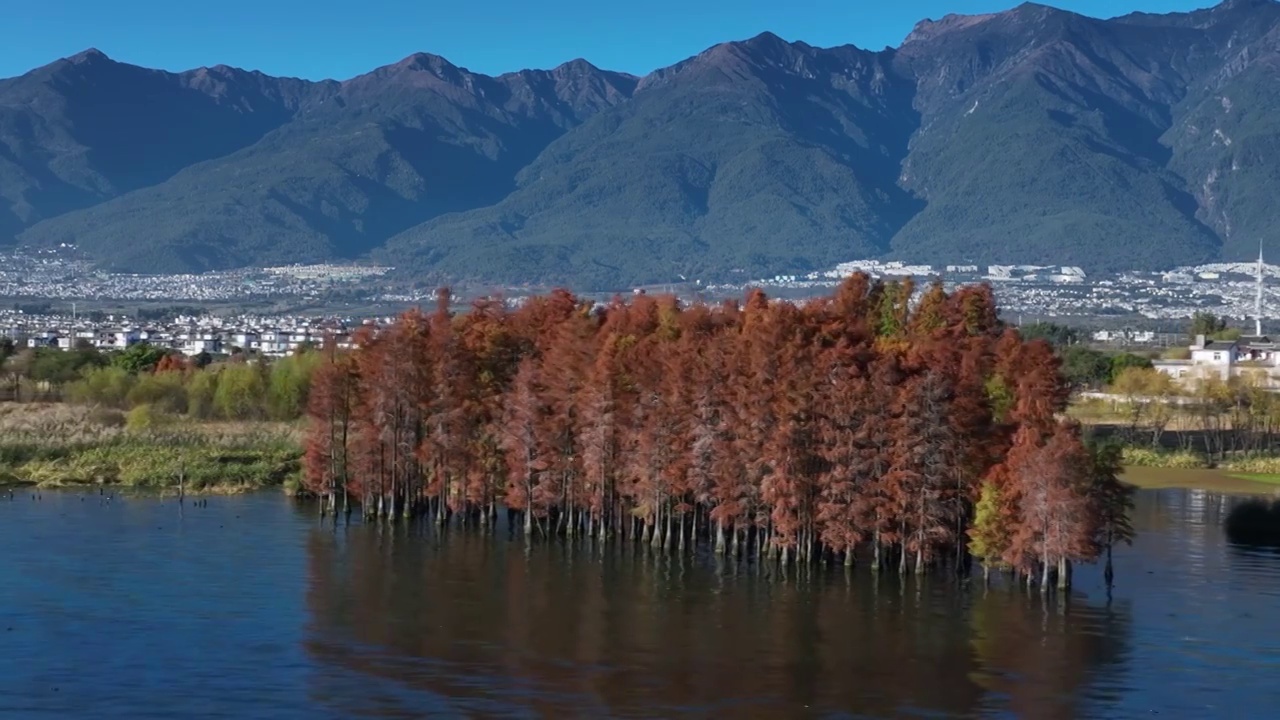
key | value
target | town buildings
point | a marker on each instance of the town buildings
(188, 335)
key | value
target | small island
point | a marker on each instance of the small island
(926, 435)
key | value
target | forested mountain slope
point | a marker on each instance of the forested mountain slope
(1032, 135)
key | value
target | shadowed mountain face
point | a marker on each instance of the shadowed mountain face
(1032, 135)
(280, 171)
(87, 129)
(751, 155)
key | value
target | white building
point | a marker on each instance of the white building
(1257, 355)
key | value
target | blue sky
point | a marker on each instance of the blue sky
(341, 38)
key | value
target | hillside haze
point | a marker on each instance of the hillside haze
(1028, 136)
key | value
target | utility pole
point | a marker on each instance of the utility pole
(1257, 301)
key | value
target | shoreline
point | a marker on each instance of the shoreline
(157, 491)
(1205, 479)
(156, 464)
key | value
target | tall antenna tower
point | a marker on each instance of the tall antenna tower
(1257, 300)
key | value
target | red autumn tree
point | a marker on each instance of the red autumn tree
(866, 418)
(330, 403)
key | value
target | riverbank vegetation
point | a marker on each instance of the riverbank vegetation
(1150, 457)
(201, 429)
(924, 436)
(53, 445)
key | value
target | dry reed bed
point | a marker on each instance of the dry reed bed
(60, 445)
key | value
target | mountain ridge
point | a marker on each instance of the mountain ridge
(1030, 135)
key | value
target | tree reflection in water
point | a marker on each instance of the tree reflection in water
(405, 622)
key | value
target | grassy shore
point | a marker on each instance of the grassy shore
(1265, 478)
(1150, 468)
(54, 445)
(1153, 478)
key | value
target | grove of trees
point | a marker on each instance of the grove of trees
(853, 425)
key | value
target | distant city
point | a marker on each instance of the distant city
(64, 275)
(71, 289)
(1047, 291)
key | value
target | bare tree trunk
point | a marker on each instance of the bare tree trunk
(1109, 574)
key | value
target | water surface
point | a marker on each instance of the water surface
(251, 607)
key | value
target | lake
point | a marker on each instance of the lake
(250, 607)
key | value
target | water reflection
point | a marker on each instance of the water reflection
(1048, 659)
(249, 608)
(473, 623)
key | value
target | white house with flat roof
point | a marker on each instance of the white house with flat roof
(1257, 355)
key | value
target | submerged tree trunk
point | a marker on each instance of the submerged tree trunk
(1109, 574)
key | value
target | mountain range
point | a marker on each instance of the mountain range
(1033, 135)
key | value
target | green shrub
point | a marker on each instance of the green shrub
(165, 391)
(108, 386)
(143, 417)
